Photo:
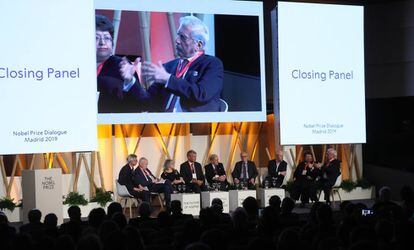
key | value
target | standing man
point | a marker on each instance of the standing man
(117, 80)
(276, 170)
(192, 173)
(191, 83)
(245, 171)
(126, 178)
(215, 173)
(144, 179)
(329, 172)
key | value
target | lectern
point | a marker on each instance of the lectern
(42, 189)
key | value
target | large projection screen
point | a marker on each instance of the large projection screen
(321, 73)
(47, 77)
(228, 96)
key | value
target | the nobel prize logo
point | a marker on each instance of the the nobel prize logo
(48, 183)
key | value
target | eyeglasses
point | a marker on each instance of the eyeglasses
(105, 39)
(183, 38)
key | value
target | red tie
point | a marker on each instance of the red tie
(192, 168)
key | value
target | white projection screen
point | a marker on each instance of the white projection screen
(217, 94)
(47, 77)
(321, 73)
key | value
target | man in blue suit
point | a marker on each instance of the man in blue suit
(144, 179)
(191, 83)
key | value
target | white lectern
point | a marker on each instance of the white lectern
(190, 203)
(264, 195)
(207, 197)
(42, 189)
(238, 196)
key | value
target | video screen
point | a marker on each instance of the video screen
(321, 73)
(179, 63)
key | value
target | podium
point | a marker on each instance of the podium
(264, 195)
(237, 197)
(190, 203)
(42, 189)
(207, 197)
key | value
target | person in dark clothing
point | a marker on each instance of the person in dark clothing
(215, 173)
(276, 170)
(329, 172)
(192, 173)
(172, 174)
(126, 178)
(304, 180)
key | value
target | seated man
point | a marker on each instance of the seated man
(144, 179)
(304, 180)
(329, 172)
(126, 178)
(192, 173)
(276, 170)
(215, 173)
(245, 171)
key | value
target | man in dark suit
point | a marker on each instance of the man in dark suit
(144, 179)
(329, 172)
(116, 76)
(191, 83)
(276, 170)
(215, 173)
(192, 173)
(126, 178)
(244, 171)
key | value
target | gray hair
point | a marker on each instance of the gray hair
(199, 31)
(131, 157)
(167, 163)
(332, 151)
(142, 159)
(212, 157)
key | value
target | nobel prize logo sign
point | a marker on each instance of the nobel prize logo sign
(48, 183)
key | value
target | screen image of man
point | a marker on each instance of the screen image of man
(116, 76)
(191, 83)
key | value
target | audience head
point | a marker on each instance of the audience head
(274, 201)
(144, 209)
(164, 219)
(120, 219)
(168, 164)
(96, 217)
(191, 156)
(74, 213)
(289, 239)
(176, 207)
(3, 218)
(114, 207)
(239, 217)
(215, 239)
(50, 220)
(251, 206)
(64, 242)
(107, 227)
(324, 214)
(34, 216)
(287, 205)
(132, 160)
(134, 238)
(217, 205)
(385, 194)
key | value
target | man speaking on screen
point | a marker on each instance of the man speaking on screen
(191, 83)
